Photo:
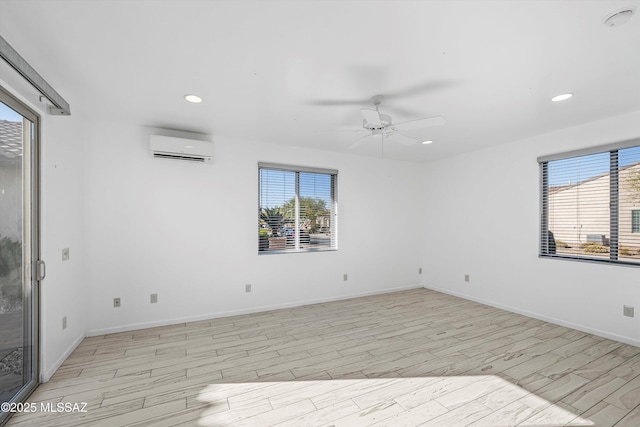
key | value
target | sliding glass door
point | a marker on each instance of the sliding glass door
(18, 253)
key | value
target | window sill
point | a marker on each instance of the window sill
(293, 251)
(601, 261)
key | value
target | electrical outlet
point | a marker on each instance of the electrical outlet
(466, 278)
(153, 298)
(65, 254)
(116, 302)
(420, 270)
(627, 310)
(345, 277)
(64, 323)
(247, 287)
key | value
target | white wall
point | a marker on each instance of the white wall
(482, 211)
(65, 290)
(188, 232)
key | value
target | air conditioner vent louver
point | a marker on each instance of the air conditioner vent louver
(166, 147)
(178, 157)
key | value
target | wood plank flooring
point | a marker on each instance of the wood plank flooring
(411, 358)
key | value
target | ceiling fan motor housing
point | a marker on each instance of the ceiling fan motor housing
(385, 122)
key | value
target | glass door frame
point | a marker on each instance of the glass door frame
(31, 270)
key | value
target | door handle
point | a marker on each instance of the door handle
(41, 270)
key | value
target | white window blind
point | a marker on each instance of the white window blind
(297, 209)
(588, 207)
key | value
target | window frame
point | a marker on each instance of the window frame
(333, 208)
(546, 248)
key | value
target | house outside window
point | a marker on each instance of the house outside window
(590, 204)
(298, 209)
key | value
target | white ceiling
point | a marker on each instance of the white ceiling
(488, 67)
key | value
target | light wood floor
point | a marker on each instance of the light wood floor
(411, 358)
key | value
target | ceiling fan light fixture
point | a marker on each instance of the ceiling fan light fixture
(562, 97)
(195, 99)
(619, 17)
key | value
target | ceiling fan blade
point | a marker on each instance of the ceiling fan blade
(379, 75)
(341, 131)
(395, 110)
(419, 123)
(402, 139)
(422, 88)
(359, 142)
(371, 116)
(338, 102)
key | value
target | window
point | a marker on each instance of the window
(297, 209)
(591, 204)
(635, 221)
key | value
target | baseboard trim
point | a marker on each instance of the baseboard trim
(45, 375)
(560, 322)
(137, 326)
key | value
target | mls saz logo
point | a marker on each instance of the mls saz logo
(63, 407)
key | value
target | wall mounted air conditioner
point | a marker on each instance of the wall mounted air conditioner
(192, 150)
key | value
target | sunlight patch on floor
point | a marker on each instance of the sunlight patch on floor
(482, 400)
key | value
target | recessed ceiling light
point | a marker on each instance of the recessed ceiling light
(562, 97)
(193, 98)
(426, 142)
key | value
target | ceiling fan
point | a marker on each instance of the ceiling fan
(381, 126)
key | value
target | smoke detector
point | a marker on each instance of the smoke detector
(619, 17)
